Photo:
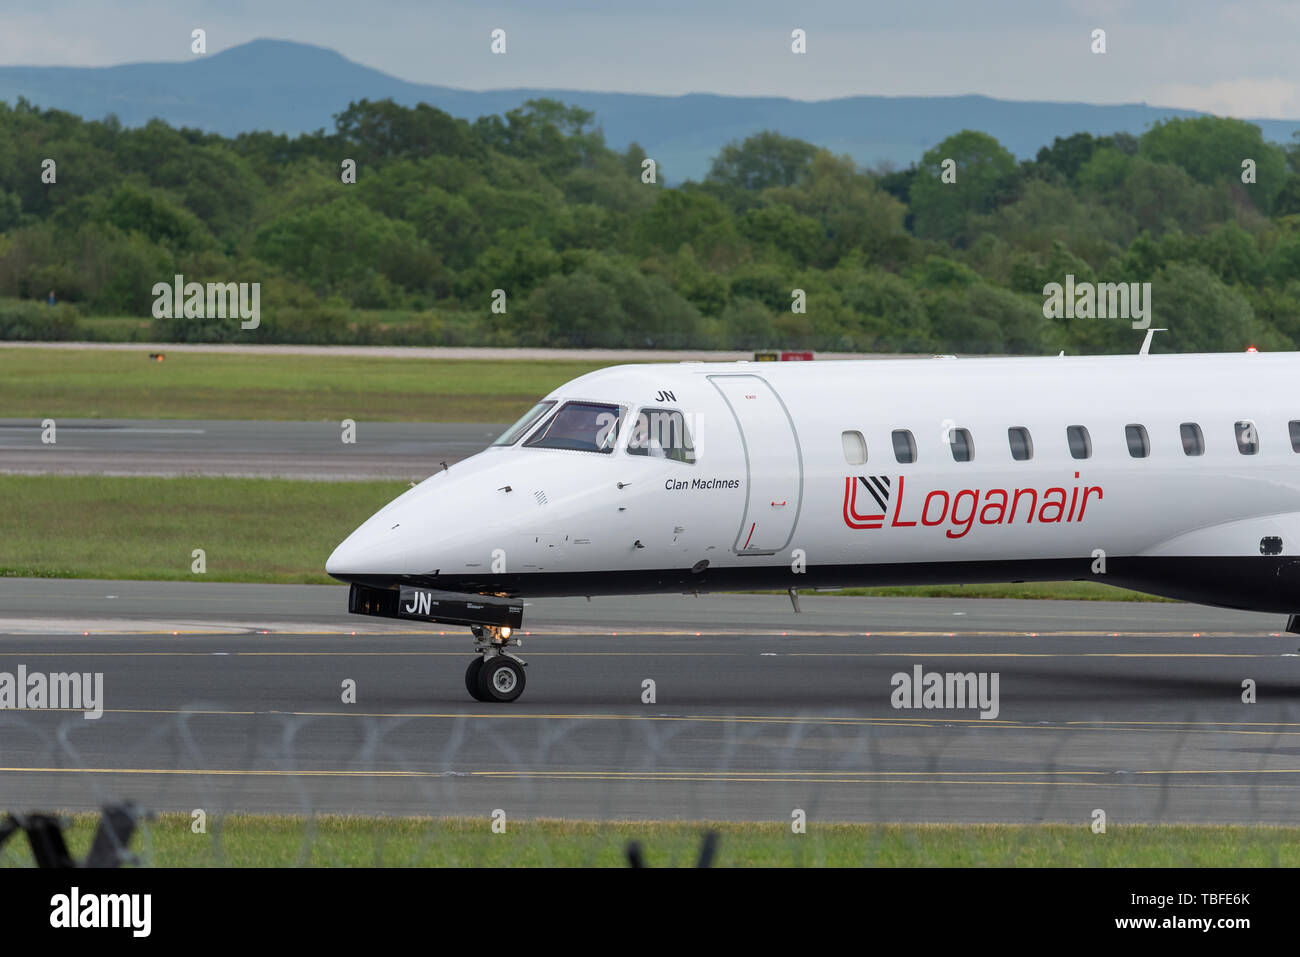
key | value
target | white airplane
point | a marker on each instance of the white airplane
(1176, 475)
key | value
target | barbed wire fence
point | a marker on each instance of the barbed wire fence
(476, 778)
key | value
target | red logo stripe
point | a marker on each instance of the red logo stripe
(851, 517)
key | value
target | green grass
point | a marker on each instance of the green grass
(335, 841)
(84, 383)
(258, 530)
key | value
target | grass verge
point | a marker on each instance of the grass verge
(340, 841)
(35, 383)
(251, 530)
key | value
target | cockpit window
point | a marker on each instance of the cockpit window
(511, 435)
(579, 426)
(662, 434)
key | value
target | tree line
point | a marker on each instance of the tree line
(783, 244)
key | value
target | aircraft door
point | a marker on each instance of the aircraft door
(773, 463)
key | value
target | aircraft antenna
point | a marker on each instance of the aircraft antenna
(1146, 343)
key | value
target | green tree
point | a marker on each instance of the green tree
(11, 211)
(1277, 310)
(1200, 311)
(515, 261)
(980, 319)
(544, 132)
(1288, 200)
(1066, 156)
(606, 305)
(763, 282)
(1283, 263)
(854, 213)
(1211, 149)
(1165, 197)
(986, 176)
(748, 324)
(341, 245)
(679, 217)
(889, 314)
(1106, 169)
(151, 214)
(381, 130)
(450, 224)
(1231, 253)
(778, 228)
(762, 160)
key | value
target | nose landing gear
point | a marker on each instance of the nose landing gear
(496, 675)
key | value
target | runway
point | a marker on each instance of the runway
(1132, 708)
(304, 450)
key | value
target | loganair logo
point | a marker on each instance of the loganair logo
(868, 498)
(877, 487)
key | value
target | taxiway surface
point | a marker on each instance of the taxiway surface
(1134, 708)
(304, 450)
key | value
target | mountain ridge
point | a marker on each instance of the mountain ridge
(290, 87)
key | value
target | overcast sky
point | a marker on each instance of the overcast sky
(1233, 57)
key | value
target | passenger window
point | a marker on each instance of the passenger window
(1294, 427)
(580, 427)
(855, 447)
(1193, 440)
(1022, 446)
(1247, 437)
(904, 446)
(1080, 441)
(661, 434)
(1138, 445)
(963, 447)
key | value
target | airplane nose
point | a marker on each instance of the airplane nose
(344, 556)
(366, 553)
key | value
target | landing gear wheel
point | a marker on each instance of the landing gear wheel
(471, 679)
(500, 679)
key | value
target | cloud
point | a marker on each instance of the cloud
(1249, 98)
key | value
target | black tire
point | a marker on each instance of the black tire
(501, 679)
(471, 679)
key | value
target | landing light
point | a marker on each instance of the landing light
(506, 631)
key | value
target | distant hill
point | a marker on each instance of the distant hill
(294, 87)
